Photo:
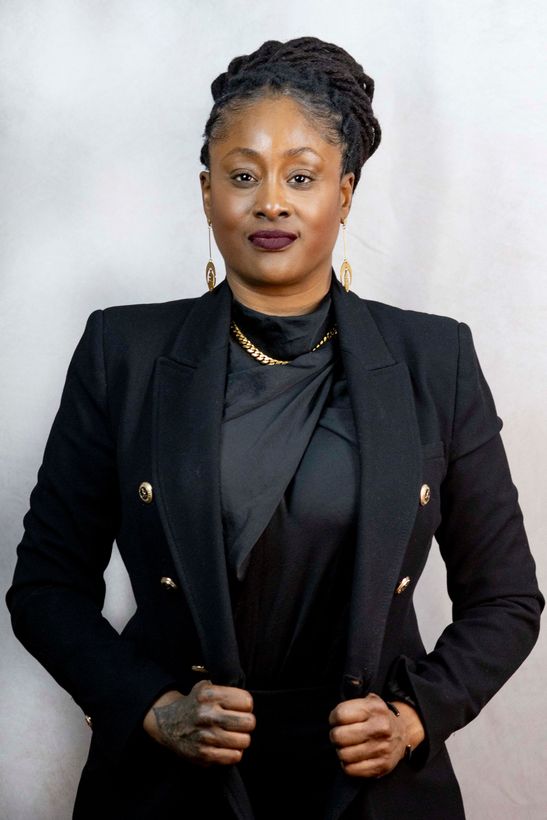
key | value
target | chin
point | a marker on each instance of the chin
(274, 280)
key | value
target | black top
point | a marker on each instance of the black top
(289, 474)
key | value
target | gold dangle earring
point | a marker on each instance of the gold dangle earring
(210, 270)
(345, 271)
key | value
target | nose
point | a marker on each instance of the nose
(270, 202)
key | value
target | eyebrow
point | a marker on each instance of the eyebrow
(291, 152)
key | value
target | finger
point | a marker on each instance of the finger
(378, 728)
(225, 740)
(229, 697)
(371, 751)
(373, 698)
(369, 768)
(211, 755)
(349, 734)
(360, 710)
(239, 700)
(350, 711)
(235, 721)
(373, 704)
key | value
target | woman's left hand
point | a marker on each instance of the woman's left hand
(369, 738)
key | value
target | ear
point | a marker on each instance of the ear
(205, 182)
(346, 194)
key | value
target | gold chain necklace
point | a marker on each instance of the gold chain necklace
(263, 358)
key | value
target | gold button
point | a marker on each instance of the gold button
(425, 494)
(168, 583)
(146, 492)
(198, 667)
(89, 721)
(402, 585)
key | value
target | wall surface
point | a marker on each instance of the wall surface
(102, 110)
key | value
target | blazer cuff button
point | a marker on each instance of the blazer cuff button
(402, 585)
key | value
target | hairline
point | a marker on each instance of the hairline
(304, 99)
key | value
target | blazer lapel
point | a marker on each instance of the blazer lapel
(390, 450)
(389, 441)
(188, 406)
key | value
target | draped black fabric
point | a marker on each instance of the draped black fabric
(289, 471)
(269, 417)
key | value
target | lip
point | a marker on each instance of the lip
(272, 240)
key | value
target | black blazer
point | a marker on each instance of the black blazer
(143, 402)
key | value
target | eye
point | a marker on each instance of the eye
(303, 177)
(242, 174)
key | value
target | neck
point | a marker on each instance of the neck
(280, 301)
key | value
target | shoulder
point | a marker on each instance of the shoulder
(412, 332)
(442, 360)
(150, 317)
(438, 350)
(147, 328)
(404, 320)
(131, 337)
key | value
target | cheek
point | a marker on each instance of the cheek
(228, 207)
(322, 225)
(230, 215)
(233, 209)
(228, 220)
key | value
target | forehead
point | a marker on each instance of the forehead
(273, 125)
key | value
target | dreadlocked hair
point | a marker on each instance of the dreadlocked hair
(329, 84)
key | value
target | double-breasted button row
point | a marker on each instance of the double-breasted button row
(146, 493)
(425, 495)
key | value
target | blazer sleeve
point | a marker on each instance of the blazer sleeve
(496, 603)
(58, 589)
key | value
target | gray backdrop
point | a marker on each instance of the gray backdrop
(103, 107)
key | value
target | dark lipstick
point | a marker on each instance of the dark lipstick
(272, 240)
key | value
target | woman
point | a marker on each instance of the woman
(274, 459)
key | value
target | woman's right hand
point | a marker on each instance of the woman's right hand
(211, 724)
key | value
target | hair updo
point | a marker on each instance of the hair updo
(329, 84)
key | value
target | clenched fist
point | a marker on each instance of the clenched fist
(212, 724)
(369, 738)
